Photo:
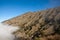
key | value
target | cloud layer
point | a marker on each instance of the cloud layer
(6, 32)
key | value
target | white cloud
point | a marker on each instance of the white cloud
(6, 32)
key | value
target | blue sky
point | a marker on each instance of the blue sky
(12, 8)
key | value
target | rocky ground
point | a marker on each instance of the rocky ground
(41, 25)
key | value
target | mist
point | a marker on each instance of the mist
(6, 32)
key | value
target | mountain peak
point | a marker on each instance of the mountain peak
(42, 25)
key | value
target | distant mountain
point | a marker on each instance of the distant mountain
(40, 25)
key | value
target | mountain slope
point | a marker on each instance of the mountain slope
(41, 25)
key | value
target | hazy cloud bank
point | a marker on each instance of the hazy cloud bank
(6, 32)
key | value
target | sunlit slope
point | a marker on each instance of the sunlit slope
(40, 25)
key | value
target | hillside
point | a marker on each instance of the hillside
(41, 25)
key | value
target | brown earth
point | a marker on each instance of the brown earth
(41, 25)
